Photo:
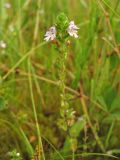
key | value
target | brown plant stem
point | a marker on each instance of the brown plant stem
(85, 110)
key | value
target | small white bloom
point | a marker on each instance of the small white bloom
(72, 29)
(7, 5)
(50, 34)
(18, 154)
(2, 44)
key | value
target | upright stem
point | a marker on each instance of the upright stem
(90, 123)
(66, 113)
(35, 112)
(110, 27)
(62, 76)
(73, 155)
(64, 108)
(35, 35)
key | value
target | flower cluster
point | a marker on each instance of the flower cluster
(72, 30)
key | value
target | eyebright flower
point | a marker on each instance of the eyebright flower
(72, 29)
(2, 44)
(50, 34)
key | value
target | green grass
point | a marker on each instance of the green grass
(29, 90)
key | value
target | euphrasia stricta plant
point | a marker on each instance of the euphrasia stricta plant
(60, 34)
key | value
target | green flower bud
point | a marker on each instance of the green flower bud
(62, 22)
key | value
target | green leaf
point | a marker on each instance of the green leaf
(112, 117)
(74, 132)
(109, 96)
(62, 22)
(115, 104)
(2, 103)
(102, 102)
(114, 61)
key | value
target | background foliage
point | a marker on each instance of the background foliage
(93, 69)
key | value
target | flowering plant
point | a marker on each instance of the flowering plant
(60, 33)
(62, 30)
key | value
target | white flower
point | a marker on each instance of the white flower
(18, 154)
(2, 44)
(72, 29)
(50, 34)
(7, 5)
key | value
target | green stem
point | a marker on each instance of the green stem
(18, 130)
(73, 155)
(91, 126)
(34, 111)
(109, 134)
(21, 60)
(62, 75)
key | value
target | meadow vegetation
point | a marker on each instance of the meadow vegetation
(59, 94)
